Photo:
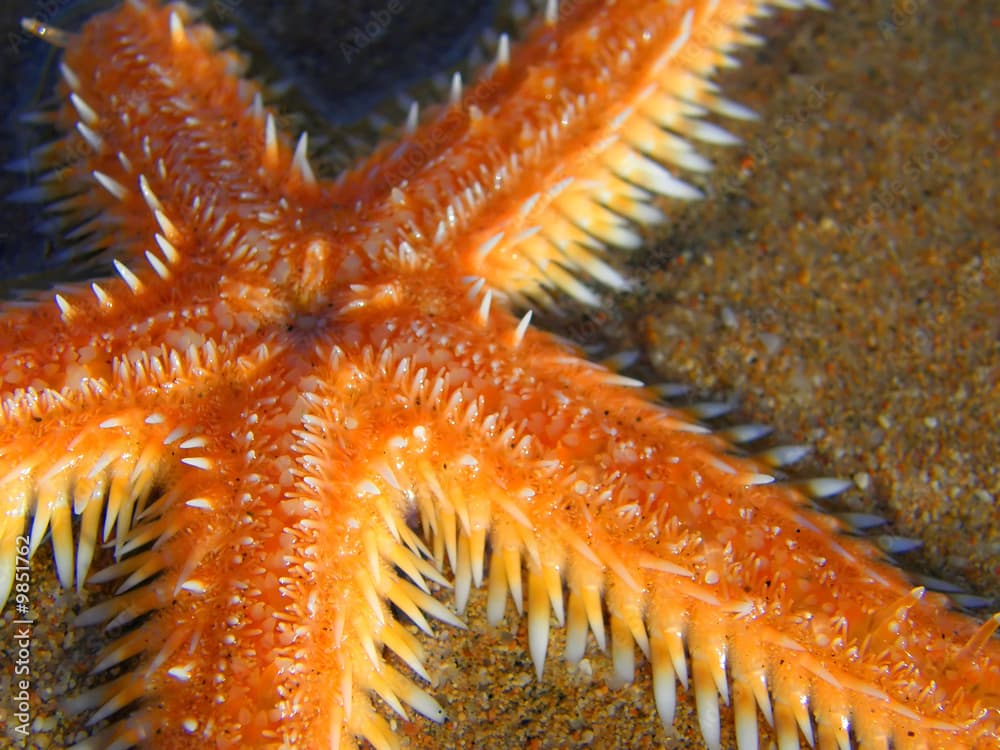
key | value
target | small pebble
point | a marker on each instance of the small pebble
(862, 480)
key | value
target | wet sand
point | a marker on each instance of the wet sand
(841, 280)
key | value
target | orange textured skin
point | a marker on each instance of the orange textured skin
(310, 362)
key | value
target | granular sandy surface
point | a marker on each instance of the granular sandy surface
(842, 281)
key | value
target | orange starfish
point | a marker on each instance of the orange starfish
(300, 402)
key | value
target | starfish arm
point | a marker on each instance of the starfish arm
(210, 564)
(111, 181)
(691, 553)
(564, 153)
(251, 593)
(169, 159)
(101, 449)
